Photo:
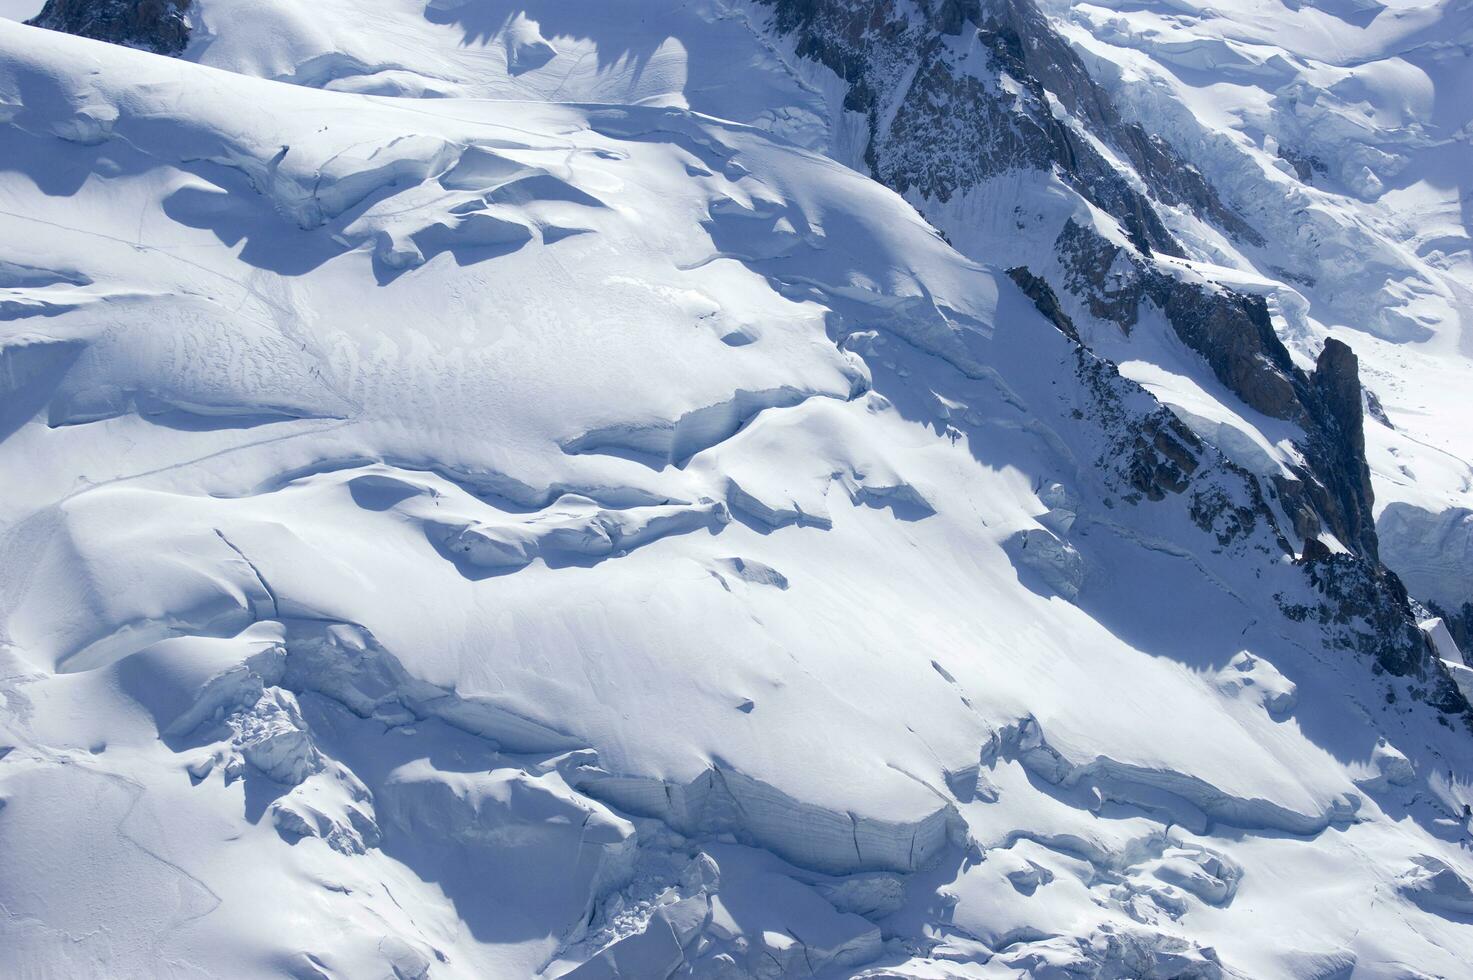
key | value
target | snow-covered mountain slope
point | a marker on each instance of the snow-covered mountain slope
(495, 491)
(1315, 155)
(1342, 131)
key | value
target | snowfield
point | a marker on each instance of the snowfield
(499, 490)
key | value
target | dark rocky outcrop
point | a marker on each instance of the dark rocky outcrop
(1375, 409)
(938, 128)
(1147, 453)
(951, 130)
(1231, 331)
(1305, 165)
(1044, 299)
(1333, 489)
(1360, 606)
(1365, 608)
(160, 26)
(1234, 334)
(1031, 49)
(1339, 444)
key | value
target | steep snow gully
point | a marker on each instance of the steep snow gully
(724, 489)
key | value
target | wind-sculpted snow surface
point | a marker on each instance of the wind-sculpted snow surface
(463, 537)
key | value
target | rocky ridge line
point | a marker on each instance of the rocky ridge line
(160, 26)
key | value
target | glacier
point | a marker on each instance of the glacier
(912, 488)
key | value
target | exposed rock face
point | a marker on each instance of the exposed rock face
(1231, 331)
(1037, 289)
(938, 129)
(1305, 165)
(1341, 429)
(1235, 336)
(949, 130)
(1362, 606)
(160, 26)
(1029, 48)
(1367, 609)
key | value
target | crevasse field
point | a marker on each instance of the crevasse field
(500, 490)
